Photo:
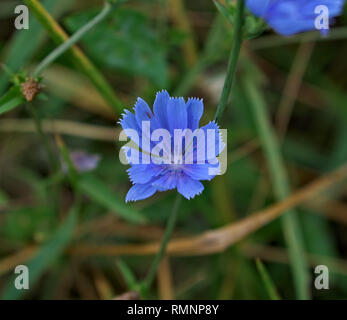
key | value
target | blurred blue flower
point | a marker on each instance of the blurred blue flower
(289, 17)
(82, 161)
(170, 114)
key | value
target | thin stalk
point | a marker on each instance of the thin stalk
(234, 55)
(290, 223)
(78, 57)
(168, 231)
(235, 50)
(57, 52)
(268, 283)
(52, 159)
(43, 137)
(127, 274)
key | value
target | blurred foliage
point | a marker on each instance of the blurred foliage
(125, 42)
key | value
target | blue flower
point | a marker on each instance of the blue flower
(289, 17)
(82, 161)
(169, 168)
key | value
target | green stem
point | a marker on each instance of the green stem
(43, 137)
(290, 223)
(72, 40)
(81, 61)
(235, 51)
(268, 283)
(168, 231)
(53, 195)
(127, 274)
(234, 55)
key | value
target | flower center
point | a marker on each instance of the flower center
(175, 167)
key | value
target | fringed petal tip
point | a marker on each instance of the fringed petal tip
(140, 192)
(123, 116)
(177, 99)
(193, 196)
(195, 99)
(163, 91)
(188, 187)
(215, 123)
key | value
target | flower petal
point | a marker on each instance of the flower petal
(143, 173)
(142, 112)
(289, 17)
(198, 171)
(167, 182)
(195, 109)
(177, 114)
(128, 121)
(160, 109)
(218, 144)
(140, 192)
(188, 187)
(83, 161)
(258, 7)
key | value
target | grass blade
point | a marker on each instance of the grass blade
(100, 193)
(10, 100)
(9, 105)
(291, 227)
(46, 256)
(269, 285)
(81, 61)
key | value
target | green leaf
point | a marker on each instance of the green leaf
(3, 198)
(127, 273)
(253, 27)
(269, 285)
(100, 193)
(228, 14)
(21, 225)
(10, 100)
(50, 251)
(124, 41)
(8, 106)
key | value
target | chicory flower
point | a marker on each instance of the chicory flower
(162, 161)
(288, 17)
(82, 161)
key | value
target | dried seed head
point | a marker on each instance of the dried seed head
(30, 89)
